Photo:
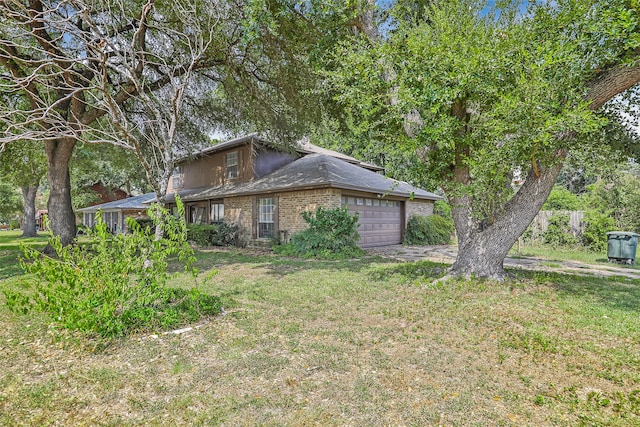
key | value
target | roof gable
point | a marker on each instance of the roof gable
(303, 147)
(314, 171)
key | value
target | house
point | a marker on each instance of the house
(250, 182)
(115, 212)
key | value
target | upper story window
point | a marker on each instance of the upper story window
(231, 165)
(177, 177)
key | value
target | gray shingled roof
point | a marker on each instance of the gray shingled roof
(314, 171)
(136, 202)
(303, 146)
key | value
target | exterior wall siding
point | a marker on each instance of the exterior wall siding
(209, 171)
(292, 204)
(418, 207)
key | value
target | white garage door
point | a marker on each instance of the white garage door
(380, 220)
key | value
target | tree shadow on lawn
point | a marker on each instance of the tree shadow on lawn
(10, 264)
(276, 264)
(617, 292)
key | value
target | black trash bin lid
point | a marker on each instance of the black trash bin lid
(622, 234)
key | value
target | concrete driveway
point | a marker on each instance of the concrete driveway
(447, 255)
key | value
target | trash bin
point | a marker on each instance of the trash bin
(621, 246)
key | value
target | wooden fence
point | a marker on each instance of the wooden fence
(541, 221)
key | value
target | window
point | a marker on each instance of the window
(174, 212)
(196, 214)
(266, 217)
(231, 165)
(177, 177)
(111, 221)
(217, 212)
(89, 219)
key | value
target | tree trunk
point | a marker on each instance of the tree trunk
(29, 202)
(62, 219)
(481, 251)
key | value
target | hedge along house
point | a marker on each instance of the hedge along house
(251, 182)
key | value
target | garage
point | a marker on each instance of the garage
(380, 220)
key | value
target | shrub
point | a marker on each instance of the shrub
(146, 224)
(428, 230)
(558, 231)
(561, 199)
(201, 234)
(223, 234)
(229, 234)
(113, 285)
(332, 234)
(596, 226)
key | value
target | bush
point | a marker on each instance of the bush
(146, 224)
(558, 231)
(229, 234)
(561, 199)
(224, 234)
(428, 230)
(201, 234)
(114, 285)
(332, 234)
(596, 226)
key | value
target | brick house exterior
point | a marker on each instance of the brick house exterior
(249, 182)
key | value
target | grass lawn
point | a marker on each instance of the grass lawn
(362, 342)
(564, 254)
(10, 240)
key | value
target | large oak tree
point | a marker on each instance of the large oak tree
(469, 96)
(149, 76)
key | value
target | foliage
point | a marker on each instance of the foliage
(156, 78)
(113, 285)
(331, 233)
(201, 234)
(428, 230)
(559, 232)
(596, 226)
(442, 208)
(10, 202)
(562, 199)
(229, 234)
(471, 91)
(223, 234)
(619, 196)
(535, 334)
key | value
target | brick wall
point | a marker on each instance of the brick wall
(418, 207)
(239, 210)
(291, 205)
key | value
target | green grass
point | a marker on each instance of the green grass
(362, 342)
(11, 240)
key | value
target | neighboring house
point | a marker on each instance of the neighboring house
(250, 182)
(114, 213)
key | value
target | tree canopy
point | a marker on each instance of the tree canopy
(149, 76)
(468, 95)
